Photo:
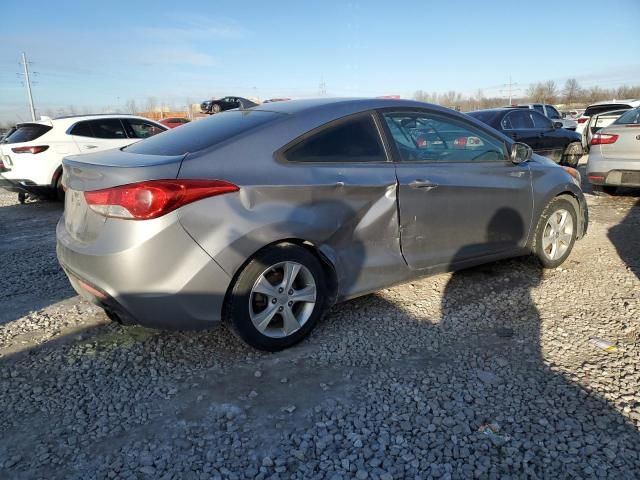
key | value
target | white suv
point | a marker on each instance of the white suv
(31, 156)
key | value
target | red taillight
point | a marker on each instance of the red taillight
(603, 139)
(36, 149)
(582, 119)
(153, 198)
(460, 142)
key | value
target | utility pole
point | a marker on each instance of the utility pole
(25, 64)
(510, 89)
(322, 88)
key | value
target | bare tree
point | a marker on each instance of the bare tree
(130, 106)
(152, 104)
(571, 91)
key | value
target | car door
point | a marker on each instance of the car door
(551, 140)
(459, 196)
(345, 186)
(518, 125)
(100, 134)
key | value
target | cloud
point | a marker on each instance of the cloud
(190, 28)
(171, 55)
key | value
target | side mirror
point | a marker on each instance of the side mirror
(520, 153)
(557, 125)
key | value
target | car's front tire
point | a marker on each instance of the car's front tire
(572, 154)
(277, 298)
(556, 232)
(215, 108)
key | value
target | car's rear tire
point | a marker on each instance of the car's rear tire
(572, 154)
(215, 108)
(277, 298)
(556, 232)
(604, 190)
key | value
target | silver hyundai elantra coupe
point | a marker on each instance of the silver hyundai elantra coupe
(263, 218)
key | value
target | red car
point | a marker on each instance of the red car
(174, 122)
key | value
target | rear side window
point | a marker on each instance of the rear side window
(538, 108)
(201, 134)
(354, 140)
(27, 132)
(632, 117)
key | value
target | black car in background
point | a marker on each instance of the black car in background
(225, 103)
(545, 137)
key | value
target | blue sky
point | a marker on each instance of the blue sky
(96, 54)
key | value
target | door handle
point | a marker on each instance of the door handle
(90, 146)
(516, 174)
(424, 184)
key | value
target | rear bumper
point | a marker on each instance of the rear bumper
(620, 178)
(166, 281)
(622, 172)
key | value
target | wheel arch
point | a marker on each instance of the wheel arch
(324, 255)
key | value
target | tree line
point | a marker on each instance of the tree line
(570, 95)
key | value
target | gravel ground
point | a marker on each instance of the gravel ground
(483, 373)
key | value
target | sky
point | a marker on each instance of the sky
(95, 55)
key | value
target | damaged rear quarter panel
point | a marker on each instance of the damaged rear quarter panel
(347, 211)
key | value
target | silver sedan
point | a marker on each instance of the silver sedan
(614, 158)
(264, 218)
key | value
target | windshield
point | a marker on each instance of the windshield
(632, 117)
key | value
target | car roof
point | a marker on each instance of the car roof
(354, 105)
(631, 101)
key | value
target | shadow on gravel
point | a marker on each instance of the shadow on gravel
(465, 395)
(542, 421)
(31, 278)
(626, 238)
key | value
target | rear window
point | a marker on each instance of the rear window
(632, 117)
(201, 134)
(597, 109)
(27, 133)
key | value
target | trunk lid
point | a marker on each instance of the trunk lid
(626, 146)
(111, 168)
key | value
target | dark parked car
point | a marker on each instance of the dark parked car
(264, 218)
(225, 103)
(545, 137)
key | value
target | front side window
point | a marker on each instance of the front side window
(553, 113)
(519, 119)
(353, 140)
(108, 128)
(141, 129)
(430, 137)
(540, 121)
